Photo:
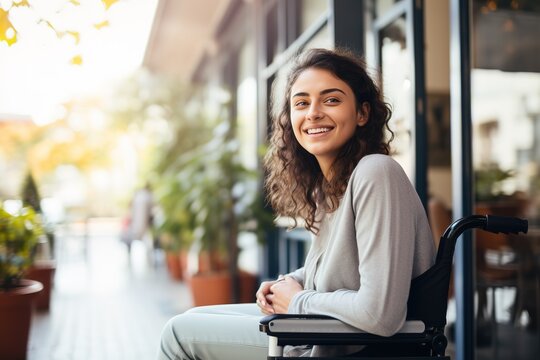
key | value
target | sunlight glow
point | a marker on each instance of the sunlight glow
(36, 73)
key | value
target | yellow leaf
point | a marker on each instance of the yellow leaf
(12, 40)
(75, 2)
(75, 35)
(76, 60)
(5, 24)
(102, 24)
(21, 3)
(59, 34)
(108, 3)
(7, 31)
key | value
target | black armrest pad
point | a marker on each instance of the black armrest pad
(319, 324)
(265, 320)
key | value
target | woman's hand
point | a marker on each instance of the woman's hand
(281, 293)
(262, 293)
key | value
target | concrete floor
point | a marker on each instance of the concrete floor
(108, 306)
(105, 305)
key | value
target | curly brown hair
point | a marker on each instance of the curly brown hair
(295, 183)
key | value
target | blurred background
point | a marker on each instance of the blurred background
(136, 128)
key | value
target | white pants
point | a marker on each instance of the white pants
(226, 332)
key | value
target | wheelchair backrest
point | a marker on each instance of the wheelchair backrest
(428, 297)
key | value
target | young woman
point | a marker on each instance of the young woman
(328, 165)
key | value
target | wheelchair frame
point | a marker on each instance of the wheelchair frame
(426, 306)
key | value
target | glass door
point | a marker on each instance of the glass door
(505, 104)
(397, 53)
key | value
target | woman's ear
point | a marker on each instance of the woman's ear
(363, 114)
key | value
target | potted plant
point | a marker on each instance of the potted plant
(174, 226)
(197, 192)
(216, 177)
(187, 130)
(19, 234)
(43, 267)
(491, 197)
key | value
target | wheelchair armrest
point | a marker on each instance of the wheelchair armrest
(320, 324)
(293, 329)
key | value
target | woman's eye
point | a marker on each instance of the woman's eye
(332, 100)
(300, 103)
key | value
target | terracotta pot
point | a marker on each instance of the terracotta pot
(173, 265)
(16, 314)
(183, 256)
(212, 261)
(43, 271)
(248, 287)
(211, 288)
(215, 288)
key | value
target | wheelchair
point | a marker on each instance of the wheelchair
(422, 335)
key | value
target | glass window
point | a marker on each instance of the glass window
(272, 34)
(437, 110)
(321, 40)
(396, 86)
(505, 97)
(311, 10)
(381, 6)
(246, 105)
(278, 86)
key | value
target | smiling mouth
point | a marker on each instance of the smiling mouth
(318, 130)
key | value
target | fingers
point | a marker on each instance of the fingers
(264, 290)
(283, 291)
(278, 281)
(277, 306)
(275, 298)
(261, 298)
(265, 307)
(267, 310)
(266, 299)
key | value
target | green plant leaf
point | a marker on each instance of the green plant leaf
(19, 234)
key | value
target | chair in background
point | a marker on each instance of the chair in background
(498, 267)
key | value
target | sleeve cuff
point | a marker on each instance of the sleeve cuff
(296, 304)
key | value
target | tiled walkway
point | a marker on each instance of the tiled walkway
(104, 306)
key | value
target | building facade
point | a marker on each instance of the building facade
(463, 78)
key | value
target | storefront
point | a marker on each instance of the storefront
(464, 81)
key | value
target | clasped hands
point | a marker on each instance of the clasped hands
(273, 297)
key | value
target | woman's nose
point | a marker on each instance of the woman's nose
(314, 113)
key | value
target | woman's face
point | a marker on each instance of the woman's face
(324, 114)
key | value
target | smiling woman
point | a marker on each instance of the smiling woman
(328, 164)
(324, 115)
(337, 92)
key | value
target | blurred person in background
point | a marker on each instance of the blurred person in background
(137, 224)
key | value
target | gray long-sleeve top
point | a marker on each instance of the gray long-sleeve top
(361, 263)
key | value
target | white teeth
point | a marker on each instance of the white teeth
(318, 130)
